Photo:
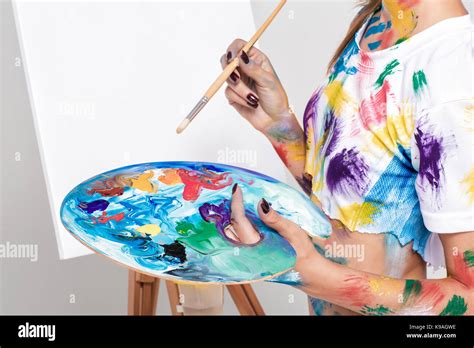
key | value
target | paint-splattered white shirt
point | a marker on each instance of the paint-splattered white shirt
(390, 137)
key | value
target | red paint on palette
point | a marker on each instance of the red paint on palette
(107, 192)
(104, 218)
(195, 181)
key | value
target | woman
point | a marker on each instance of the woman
(386, 153)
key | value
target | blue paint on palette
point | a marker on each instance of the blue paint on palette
(167, 219)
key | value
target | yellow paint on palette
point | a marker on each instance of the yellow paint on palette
(143, 183)
(403, 18)
(338, 98)
(469, 182)
(150, 229)
(170, 177)
(354, 215)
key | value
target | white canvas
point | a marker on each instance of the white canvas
(109, 82)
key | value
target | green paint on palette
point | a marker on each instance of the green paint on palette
(378, 310)
(469, 258)
(389, 69)
(184, 227)
(419, 82)
(456, 306)
(204, 238)
(412, 287)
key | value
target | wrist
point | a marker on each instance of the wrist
(313, 271)
(284, 128)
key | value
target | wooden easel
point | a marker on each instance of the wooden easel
(143, 296)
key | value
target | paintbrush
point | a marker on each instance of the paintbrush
(227, 71)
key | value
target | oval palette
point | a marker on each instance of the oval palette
(166, 219)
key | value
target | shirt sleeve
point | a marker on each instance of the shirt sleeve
(442, 154)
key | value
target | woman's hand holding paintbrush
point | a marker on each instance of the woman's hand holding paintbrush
(255, 91)
(229, 69)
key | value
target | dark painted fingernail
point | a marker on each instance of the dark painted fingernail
(229, 56)
(234, 188)
(252, 104)
(265, 206)
(245, 57)
(234, 77)
(252, 98)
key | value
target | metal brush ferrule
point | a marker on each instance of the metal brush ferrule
(199, 106)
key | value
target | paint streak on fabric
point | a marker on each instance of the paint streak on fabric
(389, 70)
(366, 64)
(347, 173)
(398, 129)
(342, 64)
(355, 214)
(337, 98)
(469, 183)
(431, 154)
(419, 82)
(373, 109)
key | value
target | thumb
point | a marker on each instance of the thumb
(294, 234)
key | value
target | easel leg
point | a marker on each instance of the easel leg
(173, 295)
(245, 299)
(142, 294)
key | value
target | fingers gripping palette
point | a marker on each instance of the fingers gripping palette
(167, 219)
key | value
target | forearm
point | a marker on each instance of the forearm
(287, 138)
(371, 294)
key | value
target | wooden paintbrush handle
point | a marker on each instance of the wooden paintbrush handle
(235, 62)
(263, 27)
(222, 78)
